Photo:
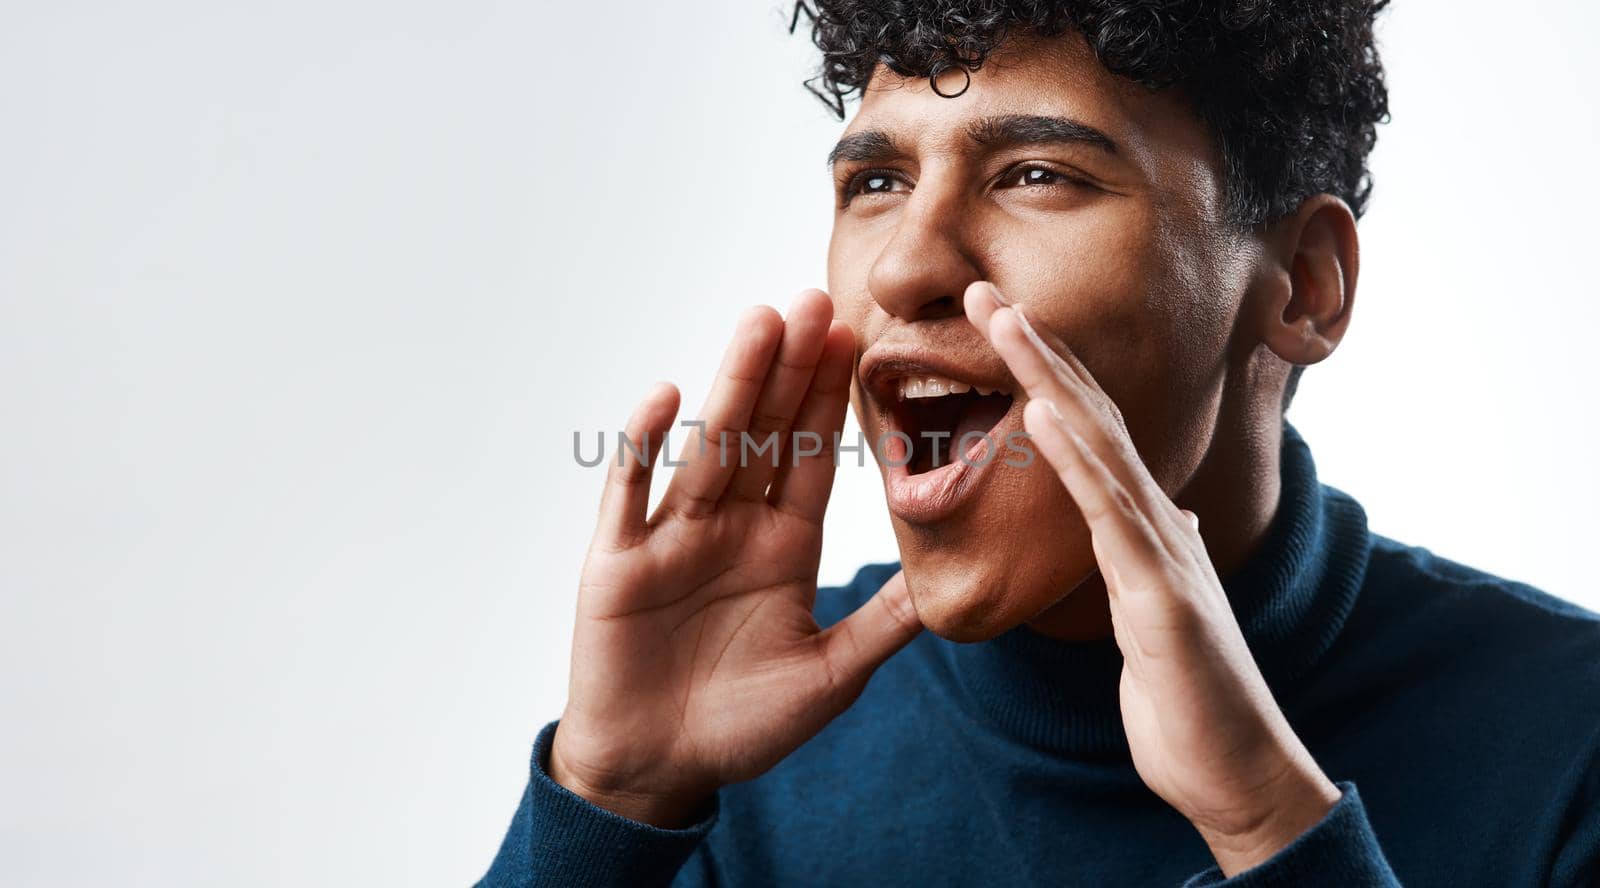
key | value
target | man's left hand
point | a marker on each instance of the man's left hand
(1205, 733)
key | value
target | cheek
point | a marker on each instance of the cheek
(1099, 282)
(1130, 299)
(850, 258)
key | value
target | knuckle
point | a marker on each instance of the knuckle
(1096, 509)
(619, 543)
(719, 439)
(900, 607)
(764, 422)
(1122, 502)
(744, 379)
(628, 476)
(787, 362)
(695, 506)
(832, 676)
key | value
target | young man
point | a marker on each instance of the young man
(1159, 653)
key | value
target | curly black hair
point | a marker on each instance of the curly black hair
(1292, 90)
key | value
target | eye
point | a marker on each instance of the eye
(1037, 175)
(871, 182)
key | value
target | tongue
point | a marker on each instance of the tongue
(980, 416)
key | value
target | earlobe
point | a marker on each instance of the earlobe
(1318, 260)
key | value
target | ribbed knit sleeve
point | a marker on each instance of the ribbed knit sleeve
(1340, 850)
(559, 838)
(1577, 860)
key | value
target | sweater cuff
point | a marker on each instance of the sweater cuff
(1339, 850)
(560, 838)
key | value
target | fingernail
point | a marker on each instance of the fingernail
(998, 299)
(1051, 406)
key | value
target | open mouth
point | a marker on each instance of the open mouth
(946, 419)
(943, 411)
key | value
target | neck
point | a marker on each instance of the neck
(1234, 491)
(1292, 599)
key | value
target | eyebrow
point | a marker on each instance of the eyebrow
(996, 131)
(1038, 129)
(865, 146)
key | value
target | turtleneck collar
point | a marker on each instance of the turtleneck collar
(1291, 598)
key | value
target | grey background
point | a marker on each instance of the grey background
(300, 303)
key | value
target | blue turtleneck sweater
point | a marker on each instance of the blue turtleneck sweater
(1458, 712)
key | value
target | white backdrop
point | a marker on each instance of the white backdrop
(300, 303)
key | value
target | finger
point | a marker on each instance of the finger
(1037, 368)
(1128, 547)
(852, 649)
(1128, 544)
(626, 495)
(804, 331)
(712, 451)
(1195, 542)
(805, 481)
(1045, 373)
(982, 299)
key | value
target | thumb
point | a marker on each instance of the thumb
(856, 646)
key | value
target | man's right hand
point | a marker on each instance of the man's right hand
(696, 661)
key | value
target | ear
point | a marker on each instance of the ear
(1313, 267)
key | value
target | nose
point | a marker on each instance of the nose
(925, 267)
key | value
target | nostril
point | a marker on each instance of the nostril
(930, 309)
(923, 272)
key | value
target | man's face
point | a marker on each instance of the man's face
(1094, 204)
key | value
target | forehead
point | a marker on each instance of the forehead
(1028, 75)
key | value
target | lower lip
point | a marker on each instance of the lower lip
(936, 494)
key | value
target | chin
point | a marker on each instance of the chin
(988, 536)
(978, 589)
(957, 609)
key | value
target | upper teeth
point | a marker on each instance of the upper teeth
(937, 387)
